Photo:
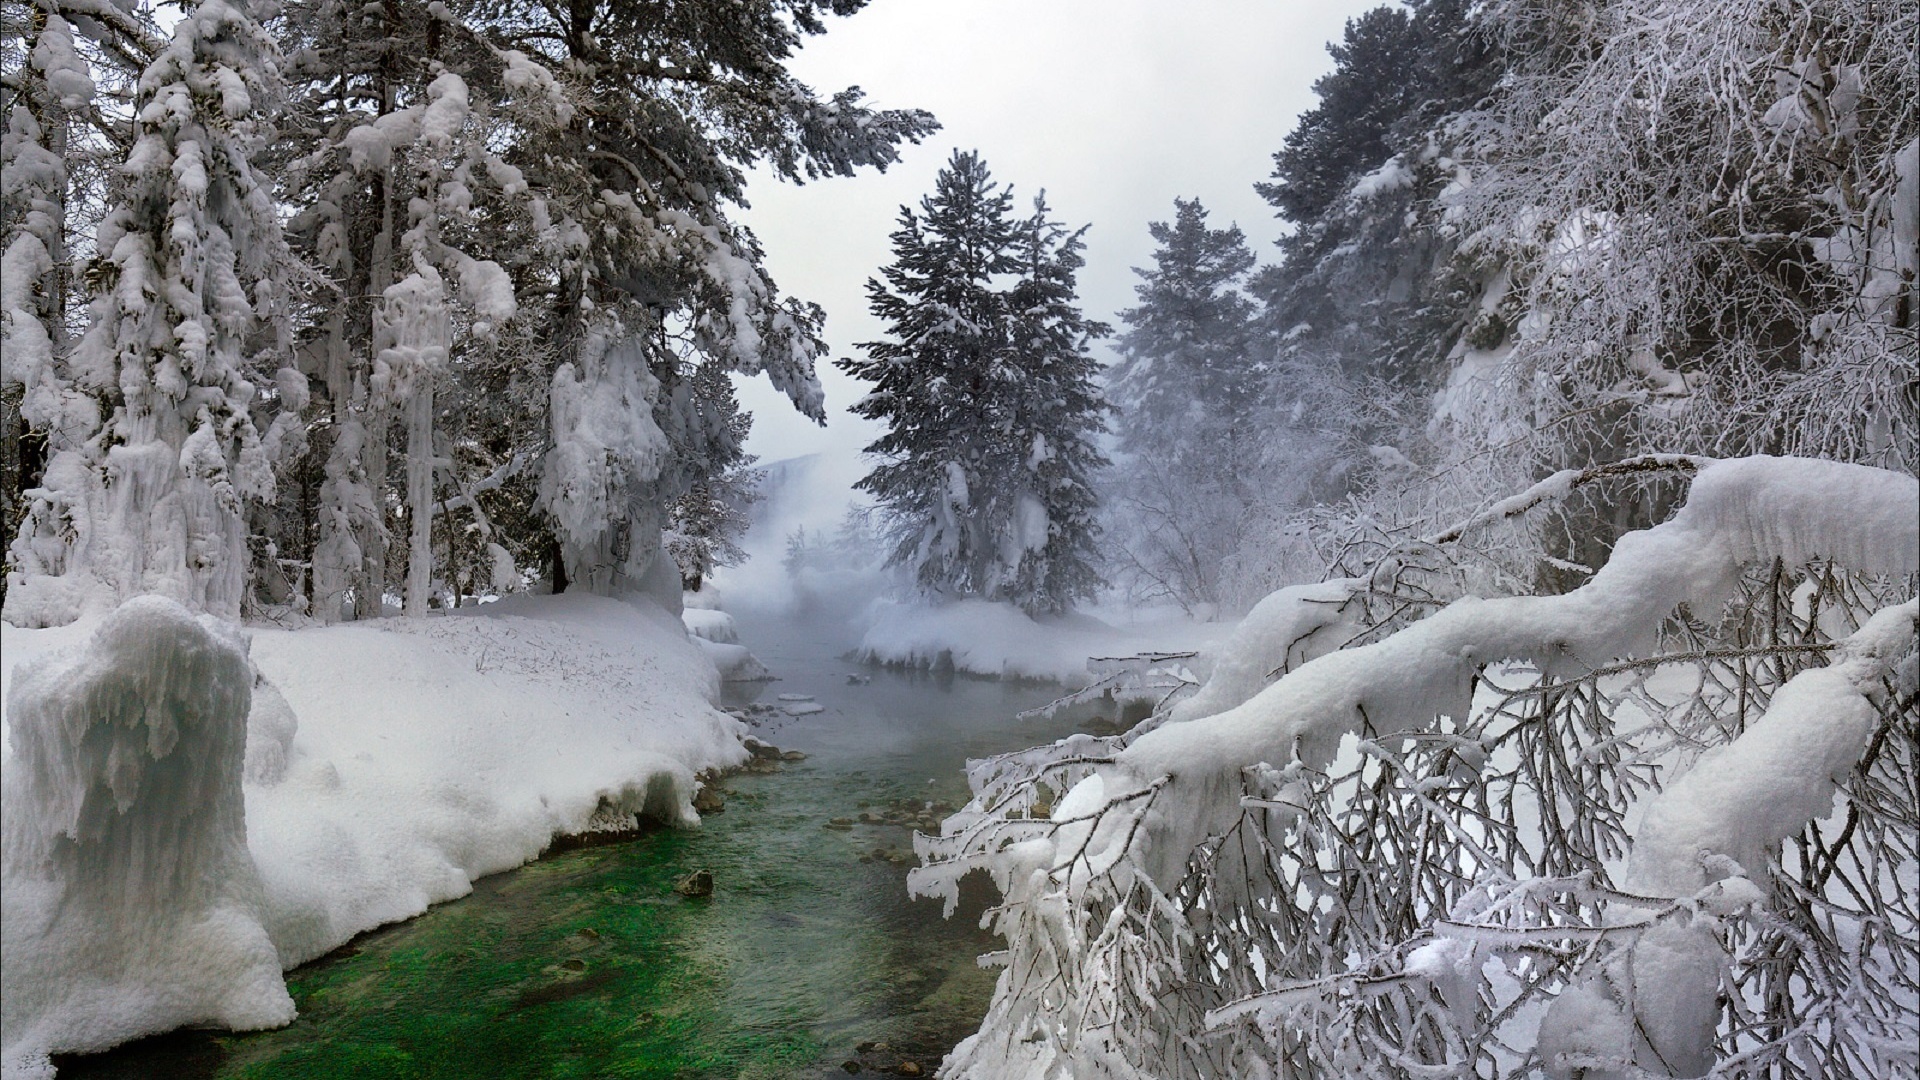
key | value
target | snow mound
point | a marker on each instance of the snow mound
(387, 764)
(132, 904)
(435, 751)
(711, 624)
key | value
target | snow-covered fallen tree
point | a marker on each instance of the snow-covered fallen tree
(1587, 834)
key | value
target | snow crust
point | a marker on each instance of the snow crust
(387, 764)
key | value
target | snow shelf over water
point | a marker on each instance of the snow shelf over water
(394, 762)
(999, 640)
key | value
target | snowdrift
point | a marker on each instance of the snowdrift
(387, 764)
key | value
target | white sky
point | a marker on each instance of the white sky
(1113, 106)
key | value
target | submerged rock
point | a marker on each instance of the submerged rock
(698, 883)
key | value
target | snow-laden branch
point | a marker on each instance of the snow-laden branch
(1741, 512)
(1657, 1002)
(1138, 872)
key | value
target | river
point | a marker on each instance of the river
(807, 958)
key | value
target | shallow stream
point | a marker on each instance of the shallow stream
(807, 958)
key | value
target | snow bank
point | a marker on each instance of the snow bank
(1001, 641)
(132, 905)
(392, 763)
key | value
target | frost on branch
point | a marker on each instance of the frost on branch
(132, 904)
(1387, 862)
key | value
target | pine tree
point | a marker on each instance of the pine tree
(1189, 388)
(1056, 411)
(987, 390)
(184, 315)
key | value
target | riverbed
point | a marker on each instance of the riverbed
(808, 959)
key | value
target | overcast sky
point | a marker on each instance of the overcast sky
(1115, 107)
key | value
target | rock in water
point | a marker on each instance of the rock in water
(132, 904)
(698, 883)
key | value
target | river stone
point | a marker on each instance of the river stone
(575, 966)
(708, 801)
(793, 755)
(698, 883)
(909, 1068)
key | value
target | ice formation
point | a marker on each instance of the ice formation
(132, 903)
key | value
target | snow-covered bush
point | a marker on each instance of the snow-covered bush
(1586, 834)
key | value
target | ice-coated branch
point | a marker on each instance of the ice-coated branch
(1223, 855)
(1740, 512)
(1711, 828)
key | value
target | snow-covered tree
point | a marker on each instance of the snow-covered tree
(183, 327)
(705, 524)
(517, 272)
(1192, 420)
(39, 396)
(986, 387)
(1054, 412)
(63, 135)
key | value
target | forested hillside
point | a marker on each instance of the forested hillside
(1530, 236)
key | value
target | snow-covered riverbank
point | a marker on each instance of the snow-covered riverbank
(390, 763)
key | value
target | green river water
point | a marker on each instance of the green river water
(807, 958)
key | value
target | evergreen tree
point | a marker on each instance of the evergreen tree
(1055, 409)
(189, 270)
(986, 387)
(1189, 389)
